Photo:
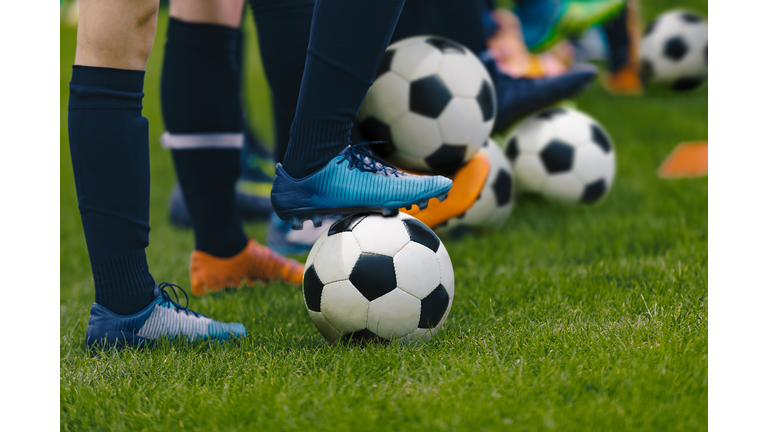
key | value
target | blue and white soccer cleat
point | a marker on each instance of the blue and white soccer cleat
(164, 318)
(284, 240)
(355, 181)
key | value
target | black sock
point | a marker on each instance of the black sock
(200, 94)
(109, 144)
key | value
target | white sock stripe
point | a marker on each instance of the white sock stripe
(201, 141)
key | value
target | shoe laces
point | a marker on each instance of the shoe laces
(361, 158)
(167, 298)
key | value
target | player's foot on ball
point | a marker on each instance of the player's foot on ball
(354, 181)
(284, 240)
(521, 97)
(254, 263)
(544, 23)
(164, 318)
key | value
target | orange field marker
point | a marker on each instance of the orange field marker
(689, 159)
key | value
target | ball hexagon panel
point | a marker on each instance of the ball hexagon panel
(557, 156)
(374, 275)
(326, 329)
(531, 173)
(573, 128)
(384, 236)
(344, 307)
(460, 76)
(533, 134)
(315, 248)
(420, 133)
(395, 314)
(337, 257)
(566, 188)
(461, 122)
(590, 164)
(428, 96)
(433, 307)
(417, 280)
(388, 99)
(415, 61)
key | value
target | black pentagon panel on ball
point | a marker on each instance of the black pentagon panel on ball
(675, 48)
(650, 27)
(374, 275)
(646, 71)
(600, 138)
(502, 188)
(593, 192)
(429, 96)
(446, 46)
(487, 101)
(386, 62)
(313, 289)
(557, 157)
(364, 335)
(421, 234)
(345, 224)
(687, 84)
(512, 150)
(374, 129)
(433, 307)
(690, 17)
(549, 114)
(446, 157)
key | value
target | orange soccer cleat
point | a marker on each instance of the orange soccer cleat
(468, 182)
(255, 262)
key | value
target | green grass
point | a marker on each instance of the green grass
(582, 319)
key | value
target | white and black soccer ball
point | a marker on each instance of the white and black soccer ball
(673, 51)
(375, 277)
(494, 204)
(433, 100)
(563, 155)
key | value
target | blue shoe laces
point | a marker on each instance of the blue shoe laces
(361, 158)
(167, 298)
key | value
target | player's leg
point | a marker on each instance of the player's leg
(205, 131)
(109, 146)
(320, 173)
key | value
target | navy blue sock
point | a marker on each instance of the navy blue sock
(347, 41)
(617, 35)
(200, 95)
(458, 20)
(109, 145)
(283, 27)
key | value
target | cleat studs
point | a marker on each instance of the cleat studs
(317, 221)
(442, 197)
(422, 205)
(408, 207)
(297, 224)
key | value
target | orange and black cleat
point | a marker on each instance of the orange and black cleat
(255, 263)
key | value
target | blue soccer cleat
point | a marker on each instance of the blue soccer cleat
(355, 181)
(162, 319)
(521, 97)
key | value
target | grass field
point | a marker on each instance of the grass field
(581, 319)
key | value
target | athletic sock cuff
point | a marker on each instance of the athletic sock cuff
(105, 88)
(122, 79)
(123, 278)
(203, 35)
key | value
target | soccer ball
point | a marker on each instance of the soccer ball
(381, 278)
(494, 204)
(563, 155)
(433, 100)
(674, 51)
